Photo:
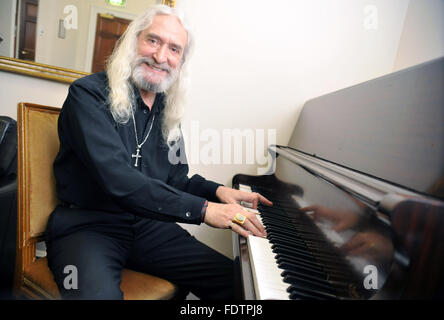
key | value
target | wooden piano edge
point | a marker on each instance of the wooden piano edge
(244, 287)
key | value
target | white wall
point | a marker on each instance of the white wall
(17, 88)
(50, 49)
(7, 16)
(423, 36)
(256, 62)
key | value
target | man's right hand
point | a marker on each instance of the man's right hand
(221, 216)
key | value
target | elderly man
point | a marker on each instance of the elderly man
(120, 192)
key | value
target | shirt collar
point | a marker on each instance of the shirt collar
(158, 105)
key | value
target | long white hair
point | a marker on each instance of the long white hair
(119, 71)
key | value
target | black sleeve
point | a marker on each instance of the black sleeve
(178, 176)
(99, 147)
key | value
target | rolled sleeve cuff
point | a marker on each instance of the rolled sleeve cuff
(204, 211)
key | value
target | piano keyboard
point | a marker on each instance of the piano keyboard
(298, 259)
(269, 284)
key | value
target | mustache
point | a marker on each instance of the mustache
(150, 61)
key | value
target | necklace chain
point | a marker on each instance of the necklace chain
(135, 131)
(137, 154)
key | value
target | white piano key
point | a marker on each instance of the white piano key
(260, 219)
(246, 204)
(268, 282)
(267, 278)
(244, 187)
(251, 210)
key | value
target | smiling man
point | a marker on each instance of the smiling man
(119, 194)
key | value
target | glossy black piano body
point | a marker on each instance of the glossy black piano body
(368, 162)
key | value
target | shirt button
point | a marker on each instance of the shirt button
(188, 214)
(144, 111)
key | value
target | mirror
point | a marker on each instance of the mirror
(67, 34)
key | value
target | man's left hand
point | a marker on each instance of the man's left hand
(229, 195)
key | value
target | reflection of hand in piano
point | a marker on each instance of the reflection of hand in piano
(372, 246)
(342, 220)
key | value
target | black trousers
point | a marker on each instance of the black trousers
(100, 244)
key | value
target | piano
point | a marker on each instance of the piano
(358, 197)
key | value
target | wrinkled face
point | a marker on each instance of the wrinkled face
(160, 51)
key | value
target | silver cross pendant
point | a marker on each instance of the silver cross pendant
(137, 156)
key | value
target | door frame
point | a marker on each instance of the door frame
(95, 10)
(19, 37)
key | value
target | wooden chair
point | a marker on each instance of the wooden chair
(38, 145)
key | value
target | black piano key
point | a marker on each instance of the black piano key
(282, 230)
(272, 213)
(296, 294)
(289, 239)
(339, 286)
(295, 251)
(293, 230)
(285, 238)
(304, 248)
(304, 269)
(309, 263)
(280, 241)
(276, 239)
(289, 221)
(301, 268)
(306, 275)
(338, 275)
(332, 260)
(279, 220)
(300, 245)
(304, 285)
(273, 210)
(276, 233)
(291, 252)
(299, 295)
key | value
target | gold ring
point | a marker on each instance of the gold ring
(239, 218)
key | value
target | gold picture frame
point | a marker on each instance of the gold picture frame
(39, 70)
(171, 3)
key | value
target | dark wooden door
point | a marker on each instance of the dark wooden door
(28, 28)
(108, 31)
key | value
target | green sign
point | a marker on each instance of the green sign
(116, 2)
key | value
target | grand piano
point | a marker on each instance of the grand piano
(358, 197)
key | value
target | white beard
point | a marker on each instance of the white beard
(140, 75)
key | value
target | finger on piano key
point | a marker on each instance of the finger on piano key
(246, 204)
(260, 220)
(245, 188)
(252, 210)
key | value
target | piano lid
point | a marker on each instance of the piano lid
(391, 128)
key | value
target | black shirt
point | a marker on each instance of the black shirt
(94, 168)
